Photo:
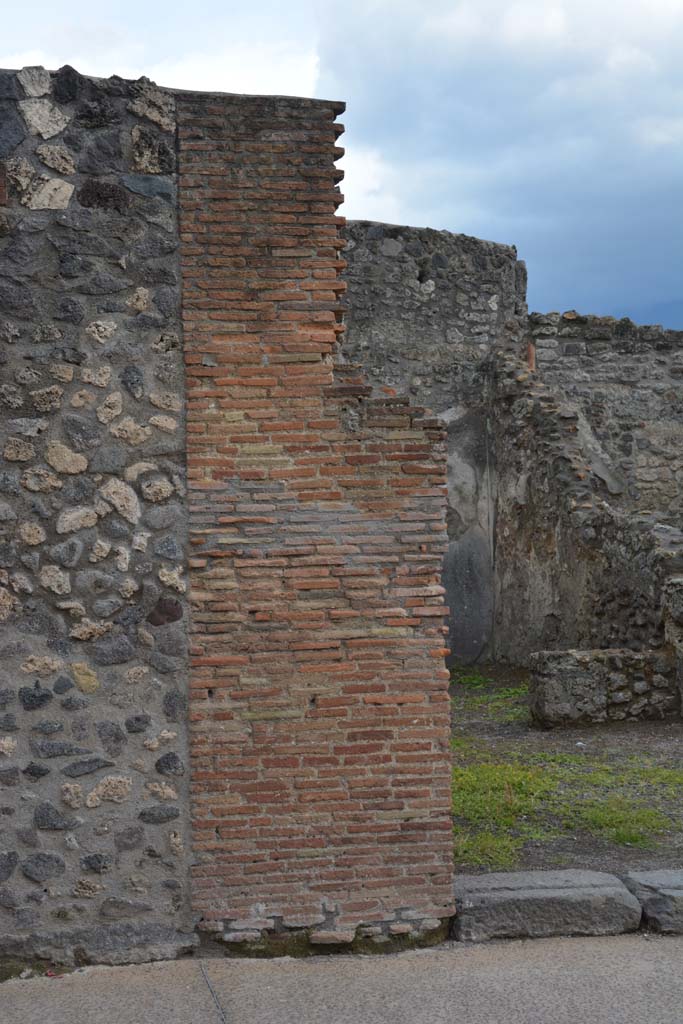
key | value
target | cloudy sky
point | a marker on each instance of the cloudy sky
(556, 125)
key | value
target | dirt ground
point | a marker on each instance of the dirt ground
(608, 797)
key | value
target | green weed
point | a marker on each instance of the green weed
(620, 820)
(498, 794)
(507, 704)
(487, 850)
(506, 795)
(497, 807)
(470, 680)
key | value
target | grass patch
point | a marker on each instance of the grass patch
(500, 806)
(470, 680)
(505, 704)
(498, 793)
(497, 808)
(469, 747)
(620, 820)
(487, 850)
(668, 781)
(524, 798)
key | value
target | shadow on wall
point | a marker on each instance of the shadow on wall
(424, 311)
(468, 571)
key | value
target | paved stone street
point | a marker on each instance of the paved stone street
(626, 979)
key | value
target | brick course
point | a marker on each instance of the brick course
(319, 712)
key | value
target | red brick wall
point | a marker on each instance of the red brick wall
(319, 712)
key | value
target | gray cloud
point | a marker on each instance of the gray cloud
(561, 132)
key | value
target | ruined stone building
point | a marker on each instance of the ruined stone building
(565, 466)
(223, 531)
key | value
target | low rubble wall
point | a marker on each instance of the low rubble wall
(573, 687)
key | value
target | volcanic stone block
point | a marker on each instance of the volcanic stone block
(538, 904)
(660, 894)
(571, 687)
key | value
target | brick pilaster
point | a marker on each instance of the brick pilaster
(319, 710)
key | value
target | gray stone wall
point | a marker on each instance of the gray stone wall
(626, 381)
(588, 513)
(576, 687)
(425, 310)
(93, 783)
(564, 442)
(572, 569)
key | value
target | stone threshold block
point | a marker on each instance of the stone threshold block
(660, 894)
(540, 904)
(122, 942)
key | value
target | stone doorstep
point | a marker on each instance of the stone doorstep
(122, 942)
(660, 894)
(541, 904)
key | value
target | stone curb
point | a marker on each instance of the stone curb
(542, 904)
(516, 905)
(660, 894)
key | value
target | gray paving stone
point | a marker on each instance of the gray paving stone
(156, 993)
(660, 894)
(539, 904)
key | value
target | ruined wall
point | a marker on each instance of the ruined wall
(576, 687)
(564, 442)
(317, 503)
(588, 517)
(626, 380)
(319, 710)
(93, 806)
(424, 311)
(572, 570)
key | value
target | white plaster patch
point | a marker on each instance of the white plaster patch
(43, 118)
(101, 330)
(78, 518)
(123, 498)
(35, 81)
(7, 746)
(57, 157)
(49, 194)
